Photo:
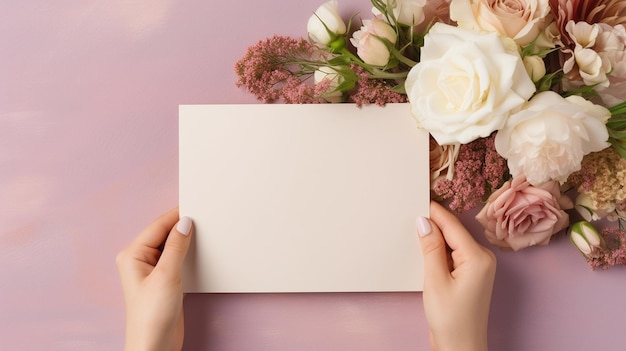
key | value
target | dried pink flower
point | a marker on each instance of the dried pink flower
(478, 171)
(277, 67)
(372, 91)
(614, 253)
(602, 178)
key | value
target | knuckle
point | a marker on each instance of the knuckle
(488, 258)
(122, 258)
(430, 245)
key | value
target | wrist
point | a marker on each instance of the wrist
(458, 343)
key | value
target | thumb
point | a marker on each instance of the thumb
(433, 246)
(176, 245)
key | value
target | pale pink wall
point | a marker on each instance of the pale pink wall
(88, 155)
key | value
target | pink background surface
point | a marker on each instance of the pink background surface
(89, 92)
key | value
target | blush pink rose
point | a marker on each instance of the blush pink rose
(519, 215)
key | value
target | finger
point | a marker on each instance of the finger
(154, 235)
(176, 246)
(436, 267)
(454, 232)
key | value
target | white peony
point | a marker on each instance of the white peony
(548, 138)
(326, 24)
(466, 84)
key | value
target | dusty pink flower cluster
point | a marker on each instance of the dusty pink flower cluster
(478, 171)
(373, 91)
(614, 253)
(272, 69)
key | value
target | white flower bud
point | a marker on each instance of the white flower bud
(330, 73)
(369, 44)
(586, 208)
(535, 67)
(585, 237)
(325, 25)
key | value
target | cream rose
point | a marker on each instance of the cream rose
(466, 84)
(520, 20)
(548, 138)
(519, 215)
(325, 25)
(369, 44)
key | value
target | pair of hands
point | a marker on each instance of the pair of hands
(458, 281)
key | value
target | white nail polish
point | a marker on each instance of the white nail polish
(423, 226)
(184, 225)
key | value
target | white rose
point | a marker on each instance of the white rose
(521, 20)
(334, 78)
(326, 24)
(548, 138)
(407, 12)
(466, 84)
(369, 44)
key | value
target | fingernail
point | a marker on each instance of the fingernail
(423, 226)
(184, 225)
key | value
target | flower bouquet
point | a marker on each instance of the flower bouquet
(524, 101)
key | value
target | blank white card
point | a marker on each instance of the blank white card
(303, 198)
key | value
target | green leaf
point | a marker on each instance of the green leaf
(400, 89)
(546, 82)
(618, 109)
(339, 60)
(617, 134)
(618, 146)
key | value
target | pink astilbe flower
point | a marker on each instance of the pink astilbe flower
(478, 171)
(278, 67)
(372, 91)
(614, 253)
(294, 91)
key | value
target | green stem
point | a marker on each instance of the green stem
(379, 73)
(375, 72)
(407, 61)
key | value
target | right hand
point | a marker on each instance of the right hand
(458, 281)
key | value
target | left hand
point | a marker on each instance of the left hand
(152, 285)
